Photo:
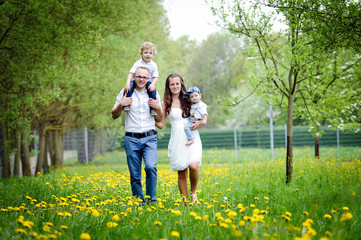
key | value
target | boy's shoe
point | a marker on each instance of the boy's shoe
(126, 109)
(153, 112)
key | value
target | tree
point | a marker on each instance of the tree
(211, 69)
(284, 70)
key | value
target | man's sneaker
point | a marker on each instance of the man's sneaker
(153, 112)
(126, 109)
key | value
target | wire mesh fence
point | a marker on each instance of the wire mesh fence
(86, 143)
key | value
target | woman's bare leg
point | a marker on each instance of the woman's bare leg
(183, 184)
(194, 176)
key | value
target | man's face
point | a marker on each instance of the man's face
(141, 78)
(195, 97)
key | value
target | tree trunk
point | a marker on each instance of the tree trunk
(45, 162)
(17, 155)
(317, 143)
(56, 150)
(50, 142)
(289, 154)
(25, 156)
(42, 143)
(5, 148)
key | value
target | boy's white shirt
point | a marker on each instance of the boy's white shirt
(199, 109)
(151, 66)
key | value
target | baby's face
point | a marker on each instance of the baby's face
(195, 97)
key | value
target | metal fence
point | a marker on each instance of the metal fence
(86, 143)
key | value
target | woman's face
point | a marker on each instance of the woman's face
(175, 85)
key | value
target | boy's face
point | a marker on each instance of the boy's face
(195, 97)
(147, 55)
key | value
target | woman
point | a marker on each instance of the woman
(181, 156)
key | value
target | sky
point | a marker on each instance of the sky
(190, 17)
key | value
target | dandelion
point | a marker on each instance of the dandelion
(63, 227)
(116, 217)
(236, 233)
(239, 205)
(328, 233)
(288, 214)
(252, 205)
(205, 217)
(324, 238)
(256, 198)
(95, 213)
(346, 216)
(305, 213)
(85, 236)
(327, 216)
(175, 234)
(157, 223)
(112, 224)
(21, 231)
(223, 225)
(241, 223)
(286, 218)
(345, 208)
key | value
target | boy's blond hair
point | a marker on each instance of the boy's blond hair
(148, 45)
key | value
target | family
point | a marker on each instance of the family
(144, 111)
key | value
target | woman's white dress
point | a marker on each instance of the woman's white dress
(180, 155)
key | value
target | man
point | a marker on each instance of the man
(140, 139)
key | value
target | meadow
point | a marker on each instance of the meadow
(245, 198)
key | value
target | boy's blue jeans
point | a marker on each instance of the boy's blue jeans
(152, 95)
(188, 130)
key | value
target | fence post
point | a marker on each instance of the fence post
(86, 144)
(235, 144)
(338, 142)
(271, 131)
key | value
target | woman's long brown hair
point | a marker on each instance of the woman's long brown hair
(185, 105)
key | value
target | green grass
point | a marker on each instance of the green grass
(245, 198)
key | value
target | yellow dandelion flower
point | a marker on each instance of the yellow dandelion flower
(52, 236)
(327, 216)
(192, 213)
(286, 218)
(223, 225)
(252, 205)
(328, 233)
(157, 223)
(305, 213)
(21, 219)
(256, 198)
(241, 223)
(232, 214)
(345, 208)
(239, 205)
(266, 235)
(324, 238)
(46, 228)
(205, 217)
(346, 216)
(334, 211)
(288, 214)
(21, 231)
(95, 213)
(175, 234)
(63, 227)
(85, 236)
(237, 233)
(116, 217)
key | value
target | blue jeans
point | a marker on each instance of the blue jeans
(150, 94)
(136, 149)
(188, 130)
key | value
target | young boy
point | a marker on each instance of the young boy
(147, 52)
(198, 111)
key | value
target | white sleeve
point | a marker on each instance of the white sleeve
(119, 98)
(155, 71)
